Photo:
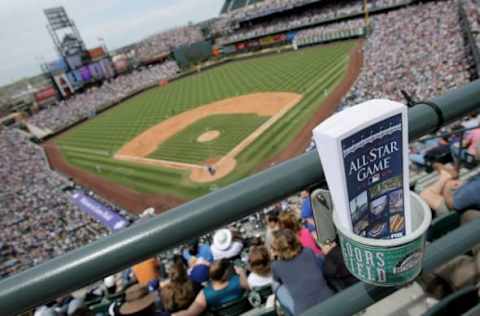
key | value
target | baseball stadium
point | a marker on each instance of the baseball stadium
(209, 168)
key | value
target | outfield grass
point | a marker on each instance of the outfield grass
(312, 72)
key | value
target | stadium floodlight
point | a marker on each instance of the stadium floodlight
(57, 18)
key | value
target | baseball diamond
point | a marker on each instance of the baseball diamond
(115, 145)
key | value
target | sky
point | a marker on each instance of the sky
(25, 42)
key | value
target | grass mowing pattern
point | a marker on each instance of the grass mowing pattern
(233, 128)
(312, 72)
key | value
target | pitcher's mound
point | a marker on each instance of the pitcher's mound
(208, 136)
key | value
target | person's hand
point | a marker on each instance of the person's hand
(326, 248)
(444, 175)
(239, 270)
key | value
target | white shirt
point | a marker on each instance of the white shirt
(255, 280)
(233, 251)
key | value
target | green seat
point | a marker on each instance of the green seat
(234, 308)
(456, 303)
(442, 225)
(101, 308)
(94, 301)
(264, 292)
(116, 296)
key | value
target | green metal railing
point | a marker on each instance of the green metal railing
(141, 241)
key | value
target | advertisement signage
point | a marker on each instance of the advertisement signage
(96, 53)
(96, 71)
(45, 94)
(107, 68)
(85, 73)
(57, 66)
(291, 36)
(100, 212)
(74, 61)
(268, 40)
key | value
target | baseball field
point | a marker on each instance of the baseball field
(208, 129)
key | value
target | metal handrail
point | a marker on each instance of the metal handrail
(114, 253)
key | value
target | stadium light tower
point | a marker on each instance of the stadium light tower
(66, 37)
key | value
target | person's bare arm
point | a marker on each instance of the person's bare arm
(196, 308)
(448, 190)
(433, 195)
(243, 278)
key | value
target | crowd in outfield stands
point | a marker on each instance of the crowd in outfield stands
(327, 12)
(418, 49)
(425, 55)
(472, 11)
(167, 41)
(319, 31)
(86, 104)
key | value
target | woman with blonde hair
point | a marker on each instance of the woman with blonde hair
(299, 271)
(178, 293)
(288, 220)
(260, 266)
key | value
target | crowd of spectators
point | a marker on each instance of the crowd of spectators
(167, 41)
(418, 49)
(86, 104)
(311, 34)
(329, 11)
(220, 268)
(472, 12)
(38, 220)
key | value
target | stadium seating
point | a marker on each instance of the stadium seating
(236, 307)
(442, 225)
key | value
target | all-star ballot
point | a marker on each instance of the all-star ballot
(364, 154)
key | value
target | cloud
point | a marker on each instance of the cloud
(25, 40)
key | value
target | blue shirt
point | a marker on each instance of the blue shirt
(307, 211)
(204, 252)
(216, 298)
(468, 195)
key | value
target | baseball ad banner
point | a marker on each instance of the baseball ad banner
(100, 212)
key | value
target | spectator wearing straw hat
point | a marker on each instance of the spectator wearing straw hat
(224, 245)
(138, 302)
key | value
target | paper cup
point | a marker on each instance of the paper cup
(392, 262)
